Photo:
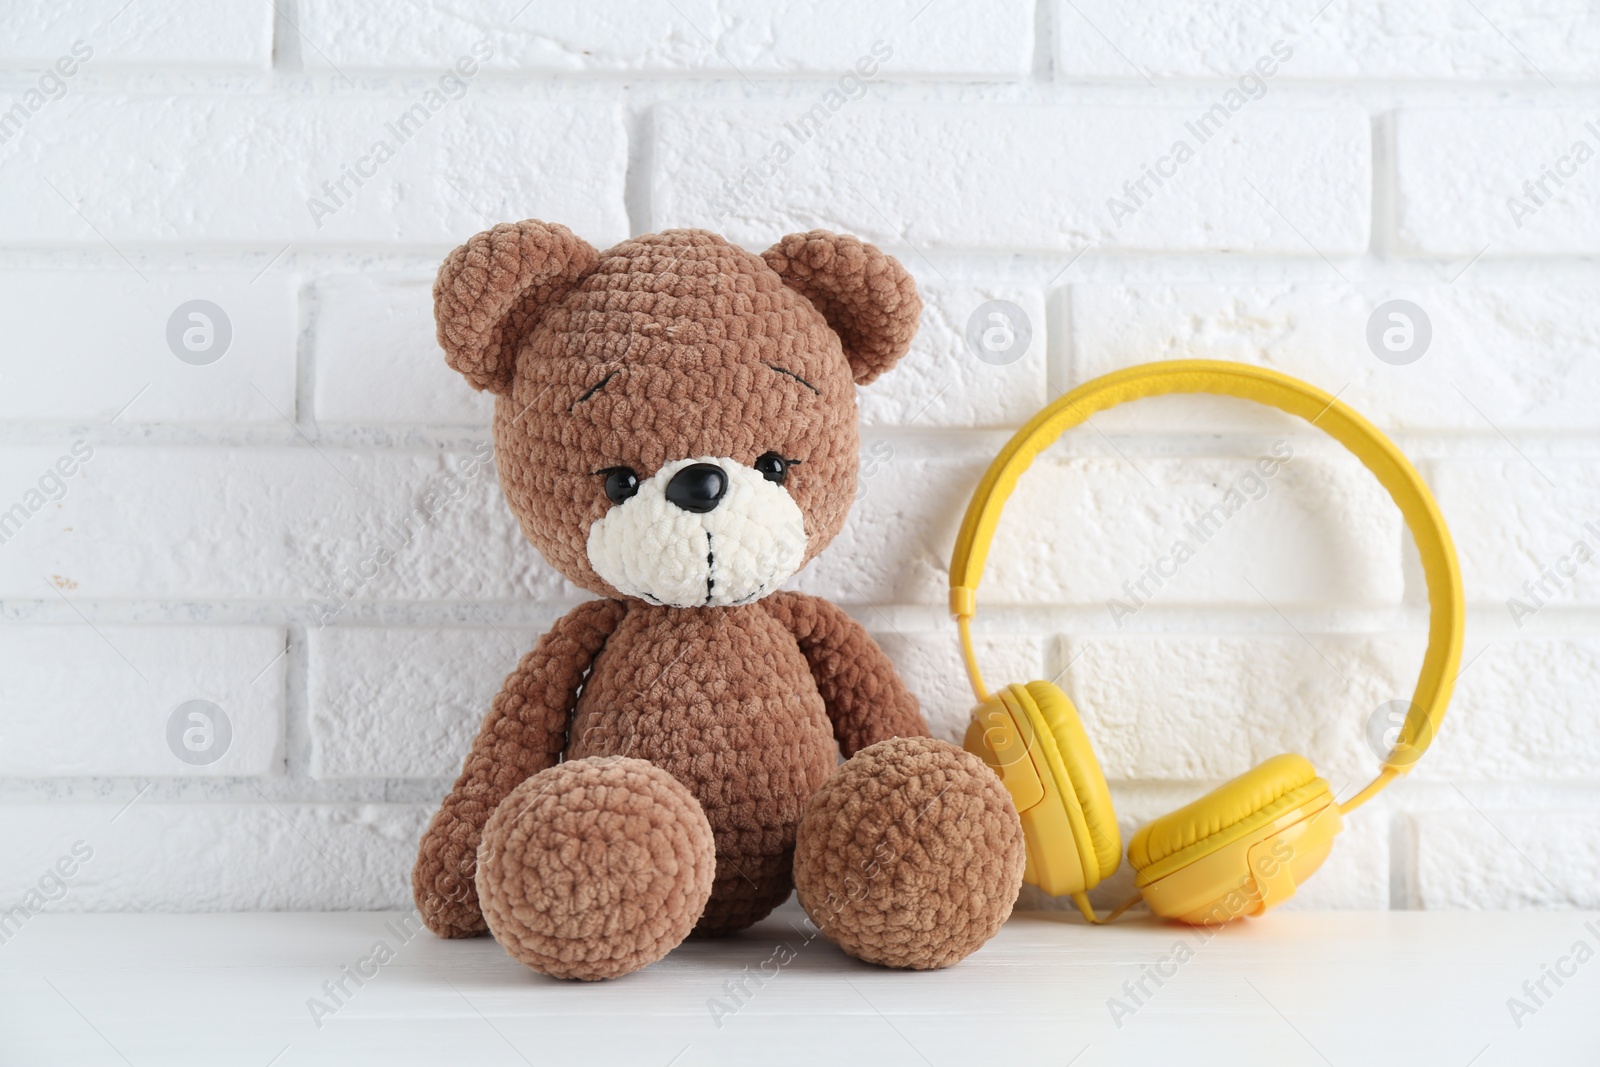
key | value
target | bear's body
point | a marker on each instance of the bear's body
(675, 430)
(750, 739)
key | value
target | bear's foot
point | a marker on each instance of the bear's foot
(910, 855)
(595, 868)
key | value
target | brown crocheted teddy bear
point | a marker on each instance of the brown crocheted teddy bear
(675, 429)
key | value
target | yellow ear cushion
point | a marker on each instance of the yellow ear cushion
(1087, 781)
(1255, 797)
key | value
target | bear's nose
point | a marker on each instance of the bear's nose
(698, 487)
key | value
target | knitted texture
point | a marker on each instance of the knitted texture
(910, 856)
(865, 295)
(676, 345)
(524, 732)
(491, 289)
(615, 373)
(595, 868)
(722, 699)
(866, 703)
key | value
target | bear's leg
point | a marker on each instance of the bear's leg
(910, 855)
(595, 867)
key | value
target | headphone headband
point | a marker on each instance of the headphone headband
(1376, 452)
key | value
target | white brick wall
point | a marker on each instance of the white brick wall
(151, 173)
(179, 34)
(907, 172)
(296, 528)
(993, 39)
(91, 346)
(1419, 40)
(1453, 199)
(365, 721)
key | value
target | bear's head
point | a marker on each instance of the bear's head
(675, 417)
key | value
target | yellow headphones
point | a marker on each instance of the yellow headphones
(1247, 845)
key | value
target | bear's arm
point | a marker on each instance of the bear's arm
(865, 698)
(524, 733)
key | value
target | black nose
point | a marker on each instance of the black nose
(698, 487)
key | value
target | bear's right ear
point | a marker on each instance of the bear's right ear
(867, 297)
(492, 290)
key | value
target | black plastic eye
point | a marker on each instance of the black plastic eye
(773, 467)
(621, 483)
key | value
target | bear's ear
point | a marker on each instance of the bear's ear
(866, 296)
(492, 290)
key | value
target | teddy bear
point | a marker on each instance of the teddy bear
(675, 430)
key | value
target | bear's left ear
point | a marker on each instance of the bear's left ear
(492, 290)
(867, 297)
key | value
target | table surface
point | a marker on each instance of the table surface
(1292, 988)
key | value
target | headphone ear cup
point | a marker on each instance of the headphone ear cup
(1240, 849)
(1080, 782)
(1031, 737)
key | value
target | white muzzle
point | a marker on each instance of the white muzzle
(733, 550)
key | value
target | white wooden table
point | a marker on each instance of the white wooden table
(1293, 988)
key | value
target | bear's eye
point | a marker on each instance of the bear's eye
(773, 467)
(621, 483)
